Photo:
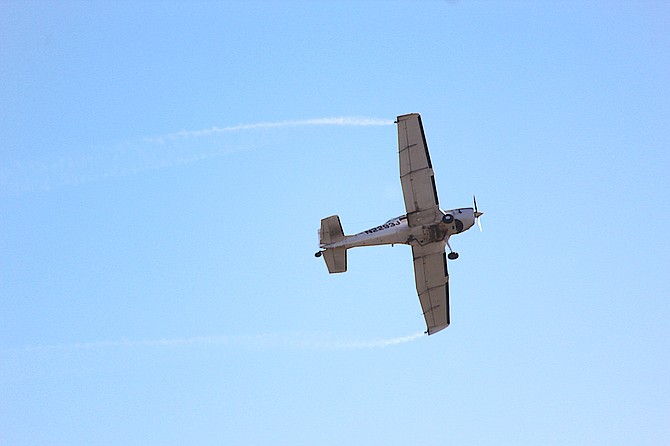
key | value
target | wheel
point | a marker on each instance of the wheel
(318, 254)
(448, 219)
(452, 255)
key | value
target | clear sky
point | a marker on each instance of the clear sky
(164, 167)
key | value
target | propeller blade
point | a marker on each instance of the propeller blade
(477, 214)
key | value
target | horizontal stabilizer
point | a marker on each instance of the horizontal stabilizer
(336, 259)
(331, 230)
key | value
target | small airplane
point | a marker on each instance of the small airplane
(425, 227)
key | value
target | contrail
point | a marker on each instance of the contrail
(295, 341)
(144, 154)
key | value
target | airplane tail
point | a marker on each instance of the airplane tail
(336, 259)
(331, 232)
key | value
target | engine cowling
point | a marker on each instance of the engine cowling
(459, 220)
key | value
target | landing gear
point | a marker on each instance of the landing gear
(452, 255)
(318, 254)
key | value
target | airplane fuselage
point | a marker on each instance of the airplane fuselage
(398, 231)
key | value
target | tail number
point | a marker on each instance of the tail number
(382, 227)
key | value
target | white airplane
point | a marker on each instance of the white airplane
(425, 227)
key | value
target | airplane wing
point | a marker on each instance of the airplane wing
(416, 172)
(432, 284)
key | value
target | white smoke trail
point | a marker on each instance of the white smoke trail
(341, 121)
(349, 344)
(296, 341)
(144, 154)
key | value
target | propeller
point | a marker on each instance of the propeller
(477, 214)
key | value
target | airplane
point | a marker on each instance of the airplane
(425, 227)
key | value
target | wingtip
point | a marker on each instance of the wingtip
(433, 330)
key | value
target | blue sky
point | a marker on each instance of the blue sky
(157, 278)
